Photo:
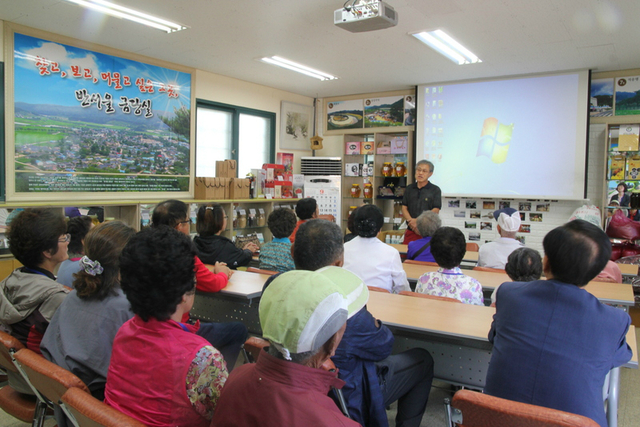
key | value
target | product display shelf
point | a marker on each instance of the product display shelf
(388, 204)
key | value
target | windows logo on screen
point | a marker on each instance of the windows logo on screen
(494, 140)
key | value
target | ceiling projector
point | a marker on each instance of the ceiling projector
(365, 15)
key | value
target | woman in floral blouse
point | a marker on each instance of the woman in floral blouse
(161, 372)
(448, 247)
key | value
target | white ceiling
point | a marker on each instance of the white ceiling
(227, 37)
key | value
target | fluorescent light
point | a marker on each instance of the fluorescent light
(290, 65)
(447, 46)
(130, 14)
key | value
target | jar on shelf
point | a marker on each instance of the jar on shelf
(261, 219)
(401, 169)
(351, 209)
(368, 191)
(387, 169)
(242, 219)
(355, 190)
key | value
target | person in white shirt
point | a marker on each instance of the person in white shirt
(375, 262)
(495, 254)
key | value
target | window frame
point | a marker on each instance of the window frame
(236, 111)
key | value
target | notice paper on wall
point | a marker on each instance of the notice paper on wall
(628, 137)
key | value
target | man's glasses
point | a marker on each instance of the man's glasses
(186, 222)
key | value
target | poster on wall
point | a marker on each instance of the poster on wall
(90, 122)
(409, 110)
(344, 114)
(384, 112)
(601, 99)
(627, 95)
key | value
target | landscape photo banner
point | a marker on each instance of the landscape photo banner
(90, 122)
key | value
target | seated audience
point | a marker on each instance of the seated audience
(448, 247)
(420, 250)
(303, 315)
(276, 255)
(161, 373)
(572, 340)
(30, 295)
(523, 265)
(212, 246)
(77, 228)
(494, 254)
(81, 332)
(375, 262)
(227, 337)
(306, 209)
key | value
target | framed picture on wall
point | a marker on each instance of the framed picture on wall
(296, 126)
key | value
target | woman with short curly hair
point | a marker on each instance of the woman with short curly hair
(161, 372)
(30, 296)
(375, 262)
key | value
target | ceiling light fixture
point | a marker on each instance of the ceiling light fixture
(130, 14)
(290, 65)
(447, 46)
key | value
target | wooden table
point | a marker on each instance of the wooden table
(628, 269)
(236, 302)
(610, 293)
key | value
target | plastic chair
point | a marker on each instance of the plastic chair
(14, 403)
(86, 411)
(419, 295)
(412, 261)
(473, 247)
(472, 409)
(490, 270)
(377, 289)
(47, 380)
(260, 271)
(252, 347)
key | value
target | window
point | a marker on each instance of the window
(229, 132)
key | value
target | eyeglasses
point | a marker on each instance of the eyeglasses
(422, 171)
(186, 222)
(65, 239)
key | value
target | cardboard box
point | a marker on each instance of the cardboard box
(400, 145)
(211, 188)
(616, 167)
(273, 171)
(383, 147)
(352, 169)
(279, 189)
(239, 188)
(226, 169)
(352, 147)
(366, 147)
(633, 167)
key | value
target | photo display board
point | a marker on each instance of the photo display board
(90, 122)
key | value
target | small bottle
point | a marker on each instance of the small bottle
(387, 238)
(242, 220)
(387, 169)
(261, 219)
(401, 170)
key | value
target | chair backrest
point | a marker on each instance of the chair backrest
(258, 270)
(377, 289)
(46, 377)
(90, 412)
(8, 345)
(473, 247)
(420, 295)
(490, 270)
(252, 348)
(413, 261)
(481, 410)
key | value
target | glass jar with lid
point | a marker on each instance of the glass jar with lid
(387, 169)
(355, 190)
(401, 169)
(368, 191)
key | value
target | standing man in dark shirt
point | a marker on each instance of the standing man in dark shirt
(419, 197)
